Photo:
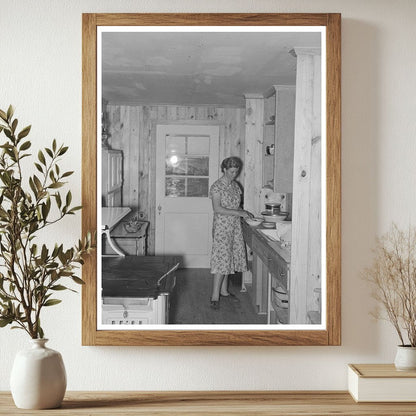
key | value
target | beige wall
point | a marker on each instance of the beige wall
(41, 75)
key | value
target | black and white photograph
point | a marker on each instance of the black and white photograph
(211, 182)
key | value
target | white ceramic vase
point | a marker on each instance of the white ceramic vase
(38, 377)
(405, 358)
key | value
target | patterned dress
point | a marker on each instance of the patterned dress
(228, 247)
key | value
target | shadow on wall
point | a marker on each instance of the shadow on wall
(361, 187)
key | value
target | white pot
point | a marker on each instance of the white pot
(405, 358)
(38, 377)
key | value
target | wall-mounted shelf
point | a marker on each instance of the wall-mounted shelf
(279, 115)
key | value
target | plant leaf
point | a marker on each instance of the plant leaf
(41, 157)
(63, 150)
(39, 167)
(40, 332)
(51, 302)
(58, 199)
(8, 133)
(44, 253)
(59, 287)
(10, 112)
(14, 125)
(67, 174)
(72, 210)
(24, 133)
(5, 321)
(45, 211)
(76, 279)
(25, 145)
(37, 182)
(68, 199)
(56, 185)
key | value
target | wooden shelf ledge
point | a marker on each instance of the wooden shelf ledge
(179, 403)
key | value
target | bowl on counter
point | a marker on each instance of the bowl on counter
(254, 222)
(276, 217)
(267, 224)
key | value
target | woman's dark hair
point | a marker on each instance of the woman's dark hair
(231, 162)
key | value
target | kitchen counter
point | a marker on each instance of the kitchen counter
(276, 247)
(270, 275)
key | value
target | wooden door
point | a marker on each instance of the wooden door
(186, 166)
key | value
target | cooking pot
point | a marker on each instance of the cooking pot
(273, 207)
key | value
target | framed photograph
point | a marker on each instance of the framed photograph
(211, 173)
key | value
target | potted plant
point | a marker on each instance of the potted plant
(393, 277)
(31, 272)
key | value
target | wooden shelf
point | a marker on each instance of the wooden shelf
(179, 403)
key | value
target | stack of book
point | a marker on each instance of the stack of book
(381, 383)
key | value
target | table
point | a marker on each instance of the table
(221, 403)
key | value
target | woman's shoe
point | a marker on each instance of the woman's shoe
(215, 304)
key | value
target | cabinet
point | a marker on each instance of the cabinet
(112, 177)
(279, 297)
(278, 138)
(269, 288)
(260, 275)
(271, 274)
(131, 242)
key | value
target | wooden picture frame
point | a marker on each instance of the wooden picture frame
(331, 333)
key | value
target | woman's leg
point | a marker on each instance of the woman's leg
(224, 286)
(217, 282)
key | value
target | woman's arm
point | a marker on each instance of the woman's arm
(219, 209)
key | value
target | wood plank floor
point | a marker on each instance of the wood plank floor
(190, 301)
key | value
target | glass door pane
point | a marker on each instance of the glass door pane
(187, 166)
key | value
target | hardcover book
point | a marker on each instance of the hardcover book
(381, 383)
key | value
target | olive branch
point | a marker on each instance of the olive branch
(30, 274)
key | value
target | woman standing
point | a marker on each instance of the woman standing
(228, 247)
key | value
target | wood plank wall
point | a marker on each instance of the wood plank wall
(254, 152)
(132, 130)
